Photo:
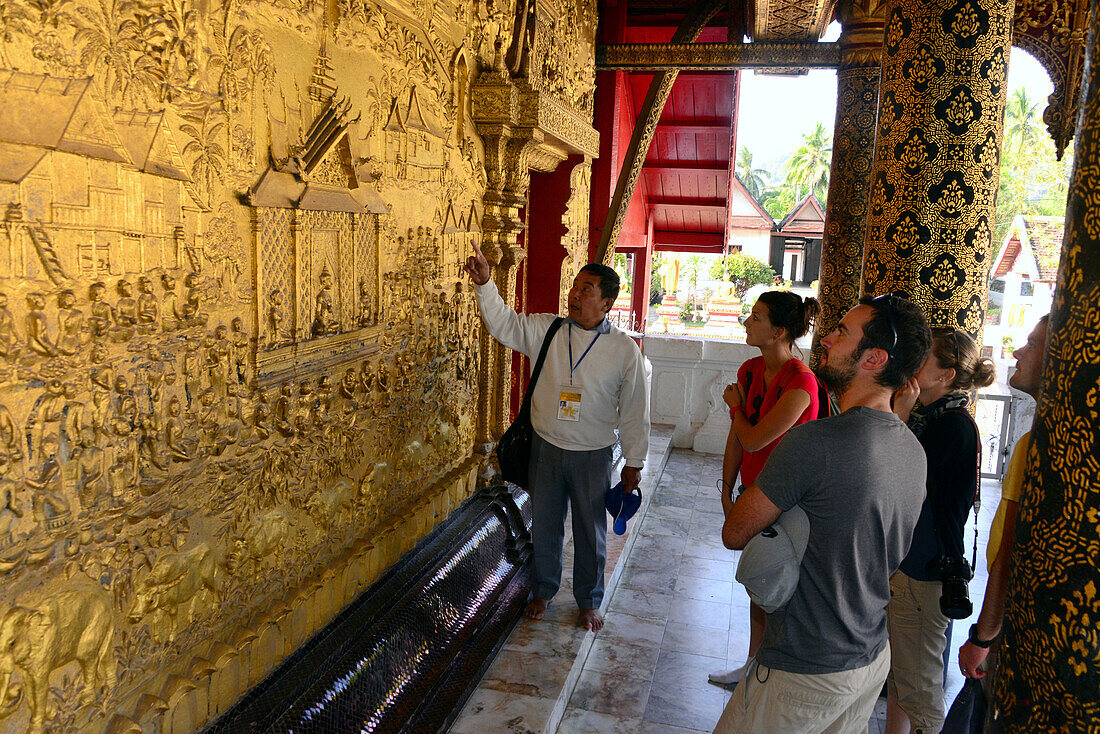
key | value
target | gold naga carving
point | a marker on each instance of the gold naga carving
(236, 348)
(574, 239)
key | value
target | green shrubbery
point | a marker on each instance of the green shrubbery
(744, 271)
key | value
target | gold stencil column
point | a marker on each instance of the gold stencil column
(937, 156)
(857, 82)
(1049, 673)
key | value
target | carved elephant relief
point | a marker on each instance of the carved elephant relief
(173, 586)
(263, 537)
(76, 623)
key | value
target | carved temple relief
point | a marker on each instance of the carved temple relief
(316, 249)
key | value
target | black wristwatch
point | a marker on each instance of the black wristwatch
(977, 641)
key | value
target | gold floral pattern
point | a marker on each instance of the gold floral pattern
(966, 24)
(846, 213)
(943, 79)
(1050, 654)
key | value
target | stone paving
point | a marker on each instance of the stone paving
(673, 614)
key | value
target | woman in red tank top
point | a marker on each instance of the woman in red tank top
(773, 392)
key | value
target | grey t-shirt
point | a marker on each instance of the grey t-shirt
(860, 478)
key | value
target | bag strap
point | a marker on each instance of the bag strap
(558, 321)
(976, 503)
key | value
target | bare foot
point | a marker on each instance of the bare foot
(590, 619)
(535, 608)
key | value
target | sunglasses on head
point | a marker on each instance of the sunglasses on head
(891, 313)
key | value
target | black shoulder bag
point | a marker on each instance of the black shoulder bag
(514, 447)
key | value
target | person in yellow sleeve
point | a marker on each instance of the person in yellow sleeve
(1002, 533)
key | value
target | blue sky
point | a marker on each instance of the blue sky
(773, 131)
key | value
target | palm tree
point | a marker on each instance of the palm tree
(54, 13)
(108, 39)
(809, 166)
(207, 151)
(1022, 128)
(755, 179)
(16, 20)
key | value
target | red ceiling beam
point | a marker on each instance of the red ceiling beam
(695, 205)
(711, 249)
(711, 129)
(688, 167)
(665, 240)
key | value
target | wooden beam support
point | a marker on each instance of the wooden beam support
(666, 57)
(695, 205)
(646, 124)
(689, 167)
(665, 240)
(723, 129)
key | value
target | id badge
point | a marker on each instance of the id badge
(569, 403)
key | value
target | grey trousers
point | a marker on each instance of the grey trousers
(559, 480)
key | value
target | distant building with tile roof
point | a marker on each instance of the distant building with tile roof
(795, 252)
(1025, 270)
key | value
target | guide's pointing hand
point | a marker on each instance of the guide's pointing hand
(477, 267)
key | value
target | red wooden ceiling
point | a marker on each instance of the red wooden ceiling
(686, 176)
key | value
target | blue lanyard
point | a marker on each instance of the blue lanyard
(573, 367)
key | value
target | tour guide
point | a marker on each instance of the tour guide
(593, 381)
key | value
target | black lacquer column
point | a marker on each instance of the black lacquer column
(1049, 673)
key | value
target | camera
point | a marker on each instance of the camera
(954, 573)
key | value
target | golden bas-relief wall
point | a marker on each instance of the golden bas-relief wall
(239, 365)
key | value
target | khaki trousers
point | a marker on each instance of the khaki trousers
(769, 701)
(917, 640)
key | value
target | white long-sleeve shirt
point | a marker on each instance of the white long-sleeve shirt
(611, 377)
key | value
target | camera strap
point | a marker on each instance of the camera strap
(937, 519)
(977, 503)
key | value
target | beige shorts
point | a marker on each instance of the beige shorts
(917, 640)
(767, 701)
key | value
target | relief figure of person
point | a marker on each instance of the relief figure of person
(192, 307)
(323, 322)
(101, 316)
(171, 316)
(173, 433)
(275, 318)
(10, 343)
(239, 344)
(126, 312)
(10, 443)
(87, 458)
(70, 324)
(38, 333)
(148, 310)
(10, 503)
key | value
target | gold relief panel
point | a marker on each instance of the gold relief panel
(234, 337)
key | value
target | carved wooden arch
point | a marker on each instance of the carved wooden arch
(1061, 54)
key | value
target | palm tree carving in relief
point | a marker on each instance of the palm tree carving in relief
(206, 151)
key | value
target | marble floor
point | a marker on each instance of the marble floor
(673, 614)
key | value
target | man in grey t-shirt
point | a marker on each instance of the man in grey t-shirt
(859, 476)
